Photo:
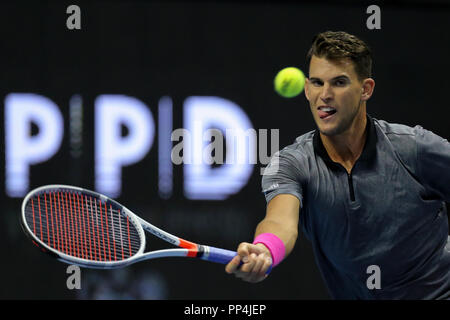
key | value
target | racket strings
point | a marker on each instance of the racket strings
(82, 226)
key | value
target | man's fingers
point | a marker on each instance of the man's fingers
(233, 265)
(255, 269)
(267, 264)
(248, 266)
(258, 272)
(251, 262)
(244, 251)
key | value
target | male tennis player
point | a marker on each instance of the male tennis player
(367, 193)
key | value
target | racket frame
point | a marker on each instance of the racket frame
(139, 224)
(186, 248)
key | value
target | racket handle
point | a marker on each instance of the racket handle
(225, 256)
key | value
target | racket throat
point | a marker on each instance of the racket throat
(202, 251)
(193, 248)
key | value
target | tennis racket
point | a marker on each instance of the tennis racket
(83, 227)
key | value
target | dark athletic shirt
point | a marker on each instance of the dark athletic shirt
(388, 213)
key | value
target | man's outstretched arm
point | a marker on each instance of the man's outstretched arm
(281, 223)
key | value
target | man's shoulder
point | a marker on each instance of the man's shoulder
(403, 139)
(296, 153)
(302, 143)
(417, 133)
(405, 136)
(396, 129)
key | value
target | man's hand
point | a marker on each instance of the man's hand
(255, 259)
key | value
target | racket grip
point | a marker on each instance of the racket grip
(225, 256)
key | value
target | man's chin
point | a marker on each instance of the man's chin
(330, 131)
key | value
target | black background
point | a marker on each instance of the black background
(228, 49)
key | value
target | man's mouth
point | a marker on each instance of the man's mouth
(325, 112)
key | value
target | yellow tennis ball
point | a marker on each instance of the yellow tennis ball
(289, 82)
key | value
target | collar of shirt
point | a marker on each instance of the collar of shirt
(369, 149)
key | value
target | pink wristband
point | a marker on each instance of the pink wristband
(274, 244)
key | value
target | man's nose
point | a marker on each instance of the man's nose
(327, 93)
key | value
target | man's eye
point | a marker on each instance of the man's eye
(340, 83)
(316, 83)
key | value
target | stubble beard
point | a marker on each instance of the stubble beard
(343, 125)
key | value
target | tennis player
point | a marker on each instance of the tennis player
(368, 194)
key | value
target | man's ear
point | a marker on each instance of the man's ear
(307, 88)
(367, 89)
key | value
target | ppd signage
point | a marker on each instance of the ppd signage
(217, 146)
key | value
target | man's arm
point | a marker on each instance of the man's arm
(433, 157)
(282, 216)
(448, 214)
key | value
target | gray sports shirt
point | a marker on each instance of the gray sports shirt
(388, 213)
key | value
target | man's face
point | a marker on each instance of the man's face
(334, 93)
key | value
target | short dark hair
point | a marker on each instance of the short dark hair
(337, 45)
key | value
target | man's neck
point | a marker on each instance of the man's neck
(347, 147)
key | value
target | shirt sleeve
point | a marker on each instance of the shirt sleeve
(282, 176)
(433, 159)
